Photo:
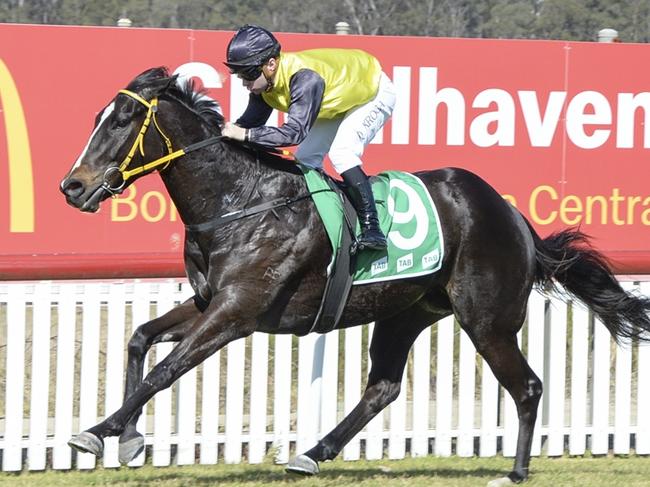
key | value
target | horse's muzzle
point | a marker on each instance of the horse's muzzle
(72, 188)
(74, 191)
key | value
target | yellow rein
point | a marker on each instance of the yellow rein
(152, 108)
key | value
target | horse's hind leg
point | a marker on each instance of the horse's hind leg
(170, 327)
(391, 341)
(500, 350)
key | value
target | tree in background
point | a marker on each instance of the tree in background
(511, 19)
(521, 19)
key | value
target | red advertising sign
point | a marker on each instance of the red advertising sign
(561, 129)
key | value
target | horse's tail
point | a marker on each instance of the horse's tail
(567, 258)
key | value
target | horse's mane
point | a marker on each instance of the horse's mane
(185, 91)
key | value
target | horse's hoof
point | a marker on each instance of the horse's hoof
(130, 449)
(86, 442)
(302, 465)
(502, 482)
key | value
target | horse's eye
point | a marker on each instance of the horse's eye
(120, 122)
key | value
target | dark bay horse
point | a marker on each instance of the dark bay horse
(266, 272)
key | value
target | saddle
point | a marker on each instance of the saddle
(408, 218)
(406, 213)
(339, 280)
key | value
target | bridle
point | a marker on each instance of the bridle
(138, 143)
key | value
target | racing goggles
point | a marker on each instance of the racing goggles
(248, 73)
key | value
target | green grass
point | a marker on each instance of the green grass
(429, 472)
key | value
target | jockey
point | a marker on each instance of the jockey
(336, 101)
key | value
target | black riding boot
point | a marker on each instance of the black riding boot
(358, 190)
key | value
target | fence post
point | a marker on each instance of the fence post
(12, 459)
(90, 341)
(444, 386)
(643, 392)
(421, 395)
(38, 411)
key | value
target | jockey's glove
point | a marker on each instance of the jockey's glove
(235, 132)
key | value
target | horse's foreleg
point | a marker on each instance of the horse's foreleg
(391, 341)
(211, 331)
(170, 327)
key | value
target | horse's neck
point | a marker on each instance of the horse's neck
(216, 181)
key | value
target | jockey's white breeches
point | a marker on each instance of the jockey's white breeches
(345, 138)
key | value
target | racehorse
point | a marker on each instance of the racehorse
(265, 270)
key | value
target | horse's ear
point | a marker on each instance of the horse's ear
(159, 86)
(171, 81)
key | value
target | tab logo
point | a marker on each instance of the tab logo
(430, 259)
(21, 183)
(379, 266)
(404, 263)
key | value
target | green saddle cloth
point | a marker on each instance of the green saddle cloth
(407, 216)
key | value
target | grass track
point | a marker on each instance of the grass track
(429, 472)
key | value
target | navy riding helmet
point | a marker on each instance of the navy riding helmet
(249, 49)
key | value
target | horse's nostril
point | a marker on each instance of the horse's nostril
(72, 188)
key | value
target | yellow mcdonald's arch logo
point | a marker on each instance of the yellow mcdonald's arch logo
(21, 183)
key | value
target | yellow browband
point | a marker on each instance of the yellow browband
(152, 108)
